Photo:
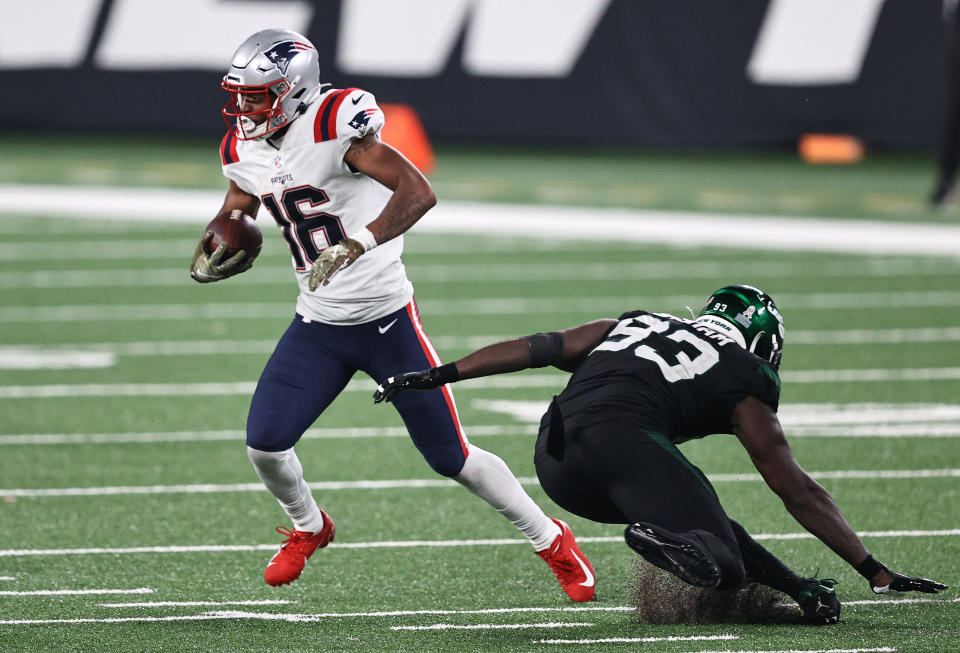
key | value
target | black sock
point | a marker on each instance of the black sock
(763, 567)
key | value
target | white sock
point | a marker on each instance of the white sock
(487, 476)
(282, 473)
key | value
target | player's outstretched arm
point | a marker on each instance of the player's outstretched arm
(205, 268)
(757, 427)
(562, 349)
(412, 198)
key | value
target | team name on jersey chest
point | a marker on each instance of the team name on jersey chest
(280, 177)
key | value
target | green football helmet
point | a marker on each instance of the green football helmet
(749, 316)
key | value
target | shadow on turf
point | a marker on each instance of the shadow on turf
(661, 598)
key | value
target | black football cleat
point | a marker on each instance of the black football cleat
(819, 603)
(682, 557)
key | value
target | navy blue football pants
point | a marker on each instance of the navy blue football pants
(313, 363)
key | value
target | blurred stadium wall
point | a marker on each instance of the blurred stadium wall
(636, 72)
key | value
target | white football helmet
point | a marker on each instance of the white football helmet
(275, 61)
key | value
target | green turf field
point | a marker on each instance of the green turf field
(132, 521)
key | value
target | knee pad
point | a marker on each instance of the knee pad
(267, 460)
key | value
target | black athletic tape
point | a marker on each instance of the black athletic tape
(869, 568)
(445, 374)
(545, 348)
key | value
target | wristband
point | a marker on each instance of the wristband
(445, 374)
(365, 237)
(869, 568)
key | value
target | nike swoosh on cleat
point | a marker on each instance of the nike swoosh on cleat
(589, 582)
(384, 329)
(356, 99)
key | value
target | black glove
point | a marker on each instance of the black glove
(425, 380)
(903, 583)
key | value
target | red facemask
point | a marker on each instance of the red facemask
(250, 123)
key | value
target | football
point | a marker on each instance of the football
(238, 230)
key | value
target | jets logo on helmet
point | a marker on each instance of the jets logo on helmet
(749, 316)
(279, 68)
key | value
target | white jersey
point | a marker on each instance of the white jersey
(316, 200)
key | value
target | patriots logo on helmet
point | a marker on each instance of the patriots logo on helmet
(362, 119)
(281, 53)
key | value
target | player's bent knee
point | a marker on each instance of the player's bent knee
(273, 433)
(446, 459)
(445, 465)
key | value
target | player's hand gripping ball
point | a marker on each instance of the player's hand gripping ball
(229, 245)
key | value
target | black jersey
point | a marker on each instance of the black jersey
(673, 376)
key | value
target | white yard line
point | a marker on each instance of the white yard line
(897, 602)
(914, 430)
(137, 590)
(397, 613)
(917, 430)
(548, 624)
(234, 614)
(608, 305)
(234, 435)
(858, 420)
(267, 345)
(408, 484)
(882, 649)
(492, 382)
(237, 435)
(638, 640)
(680, 228)
(406, 544)
(825, 419)
(125, 620)
(191, 604)
(530, 272)
(31, 358)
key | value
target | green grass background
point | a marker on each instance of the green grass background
(343, 580)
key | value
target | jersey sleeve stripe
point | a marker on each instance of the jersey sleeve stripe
(319, 133)
(228, 149)
(325, 125)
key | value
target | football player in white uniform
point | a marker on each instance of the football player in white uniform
(342, 199)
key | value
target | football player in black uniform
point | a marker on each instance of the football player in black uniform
(644, 383)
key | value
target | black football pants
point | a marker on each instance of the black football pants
(614, 471)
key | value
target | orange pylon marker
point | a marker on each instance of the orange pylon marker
(404, 131)
(830, 148)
